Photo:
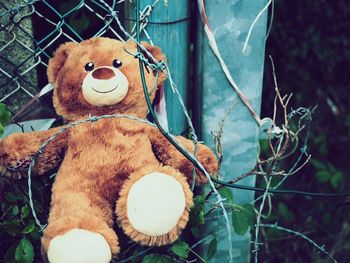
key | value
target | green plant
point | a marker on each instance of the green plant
(5, 117)
(19, 234)
(185, 248)
(243, 217)
(17, 226)
(311, 52)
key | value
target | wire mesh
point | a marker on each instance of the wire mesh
(30, 31)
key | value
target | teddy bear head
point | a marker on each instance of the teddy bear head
(99, 76)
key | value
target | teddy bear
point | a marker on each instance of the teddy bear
(113, 172)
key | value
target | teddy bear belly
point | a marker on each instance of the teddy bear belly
(104, 166)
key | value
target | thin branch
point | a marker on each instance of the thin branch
(218, 136)
(256, 240)
(320, 248)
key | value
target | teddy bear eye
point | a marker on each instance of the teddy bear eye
(89, 66)
(117, 63)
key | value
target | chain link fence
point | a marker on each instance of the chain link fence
(30, 31)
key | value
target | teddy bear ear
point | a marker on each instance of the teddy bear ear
(155, 51)
(58, 60)
(159, 56)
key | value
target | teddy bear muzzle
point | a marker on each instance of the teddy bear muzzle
(105, 86)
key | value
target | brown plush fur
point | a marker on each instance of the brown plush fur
(20, 147)
(68, 99)
(101, 160)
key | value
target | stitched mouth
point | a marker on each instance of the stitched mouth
(103, 92)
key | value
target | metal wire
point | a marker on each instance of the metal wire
(18, 83)
(23, 57)
(42, 147)
(13, 28)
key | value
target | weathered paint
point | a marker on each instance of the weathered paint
(230, 22)
(173, 38)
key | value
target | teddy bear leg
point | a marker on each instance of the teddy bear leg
(154, 205)
(79, 230)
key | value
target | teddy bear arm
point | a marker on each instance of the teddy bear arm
(167, 154)
(17, 150)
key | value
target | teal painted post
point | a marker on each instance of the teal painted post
(230, 22)
(168, 28)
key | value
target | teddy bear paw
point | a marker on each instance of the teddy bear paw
(79, 246)
(155, 204)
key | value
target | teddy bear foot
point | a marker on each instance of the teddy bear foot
(155, 204)
(155, 208)
(79, 246)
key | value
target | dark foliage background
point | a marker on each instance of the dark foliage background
(310, 44)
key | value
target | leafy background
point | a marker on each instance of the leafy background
(310, 47)
(310, 44)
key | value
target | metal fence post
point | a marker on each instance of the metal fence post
(168, 28)
(230, 22)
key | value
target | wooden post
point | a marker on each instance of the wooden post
(230, 22)
(168, 28)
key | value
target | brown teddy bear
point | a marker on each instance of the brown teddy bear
(116, 168)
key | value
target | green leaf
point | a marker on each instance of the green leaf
(11, 197)
(29, 228)
(225, 192)
(195, 232)
(197, 215)
(240, 222)
(201, 216)
(321, 139)
(1, 129)
(264, 146)
(15, 210)
(250, 214)
(285, 212)
(336, 179)
(323, 176)
(282, 209)
(180, 248)
(157, 258)
(24, 251)
(5, 115)
(242, 217)
(212, 248)
(199, 199)
(5, 118)
(24, 212)
(331, 168)
(318, 164)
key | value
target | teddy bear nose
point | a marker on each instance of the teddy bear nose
(103, 73)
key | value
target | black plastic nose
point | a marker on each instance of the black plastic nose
(103, 73)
